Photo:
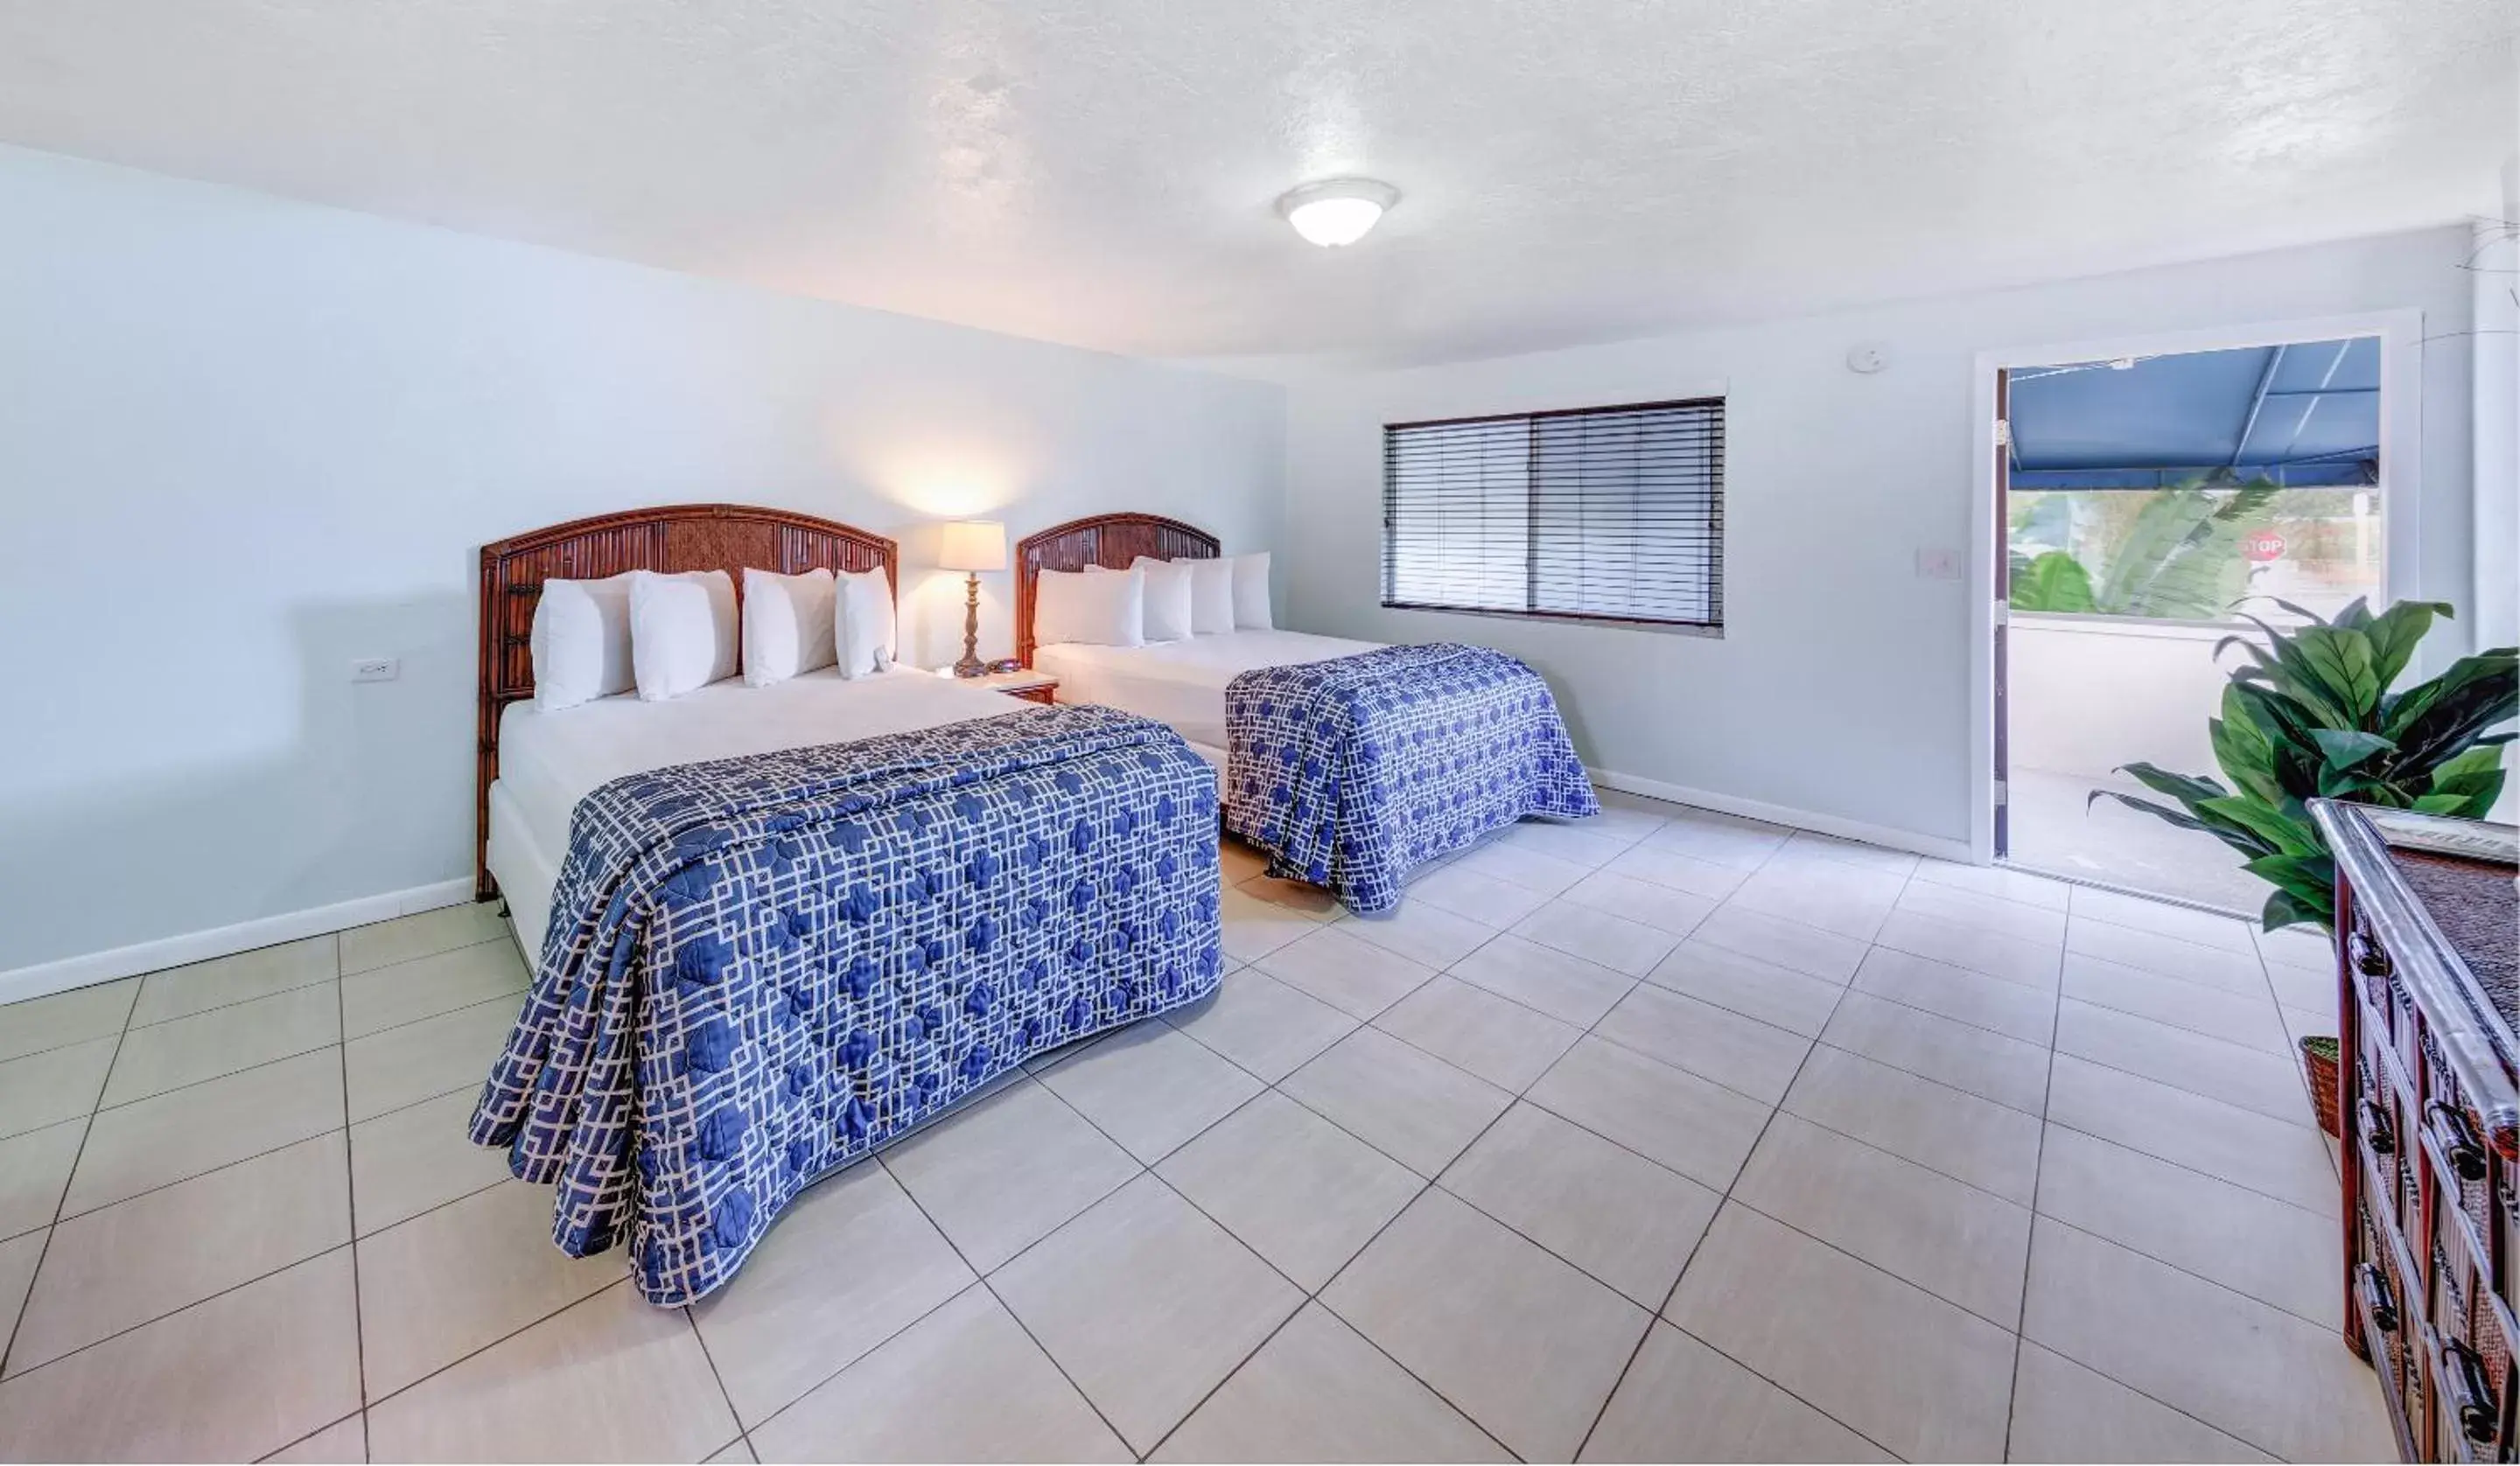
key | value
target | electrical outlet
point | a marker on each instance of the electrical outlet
(1938, 562)
(376, 669)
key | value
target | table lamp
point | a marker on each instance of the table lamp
(972, 546)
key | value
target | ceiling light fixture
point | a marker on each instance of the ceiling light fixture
(1338, 210)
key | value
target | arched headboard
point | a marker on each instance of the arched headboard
(728, 537)
(1112, 541)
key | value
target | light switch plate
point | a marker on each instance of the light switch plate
(376, 669)
(1938, 562)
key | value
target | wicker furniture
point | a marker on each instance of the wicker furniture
(2431, 1148)
(1112, 541)
(1031, 687)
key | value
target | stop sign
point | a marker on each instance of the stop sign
(2262, 546)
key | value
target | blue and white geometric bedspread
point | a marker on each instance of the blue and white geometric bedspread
(761, 968)
(1353, 771)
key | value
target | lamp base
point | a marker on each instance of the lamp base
(970, 664)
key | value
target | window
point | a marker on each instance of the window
(1611, 513)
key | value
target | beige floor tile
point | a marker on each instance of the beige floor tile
(1923, 1378)
(2250, 1077)
(1997, 881)
(1804, 846)
(2031, 964)
(1574, 843)
(2245, 1019)
(1531, 870)
(1295, 1188)
(1001, 1173)
(1146, 1304)
(1740, 847)
(2278, 1383)
(184, 1051)
(35, 1170)
(963, 1383)
(120, 1267)
(1740, 1054)
(2274, 1251)
(1254, 928)
(180, 992)
(737, 1453)
(453, 1280)
(1956, 993)
(1991, 1146)
(424, 934)
(1785, 944)
(243, 1373)
(2309, 992)
(2160, 917)
(1338, 966)
(1985, 1063)
(1694, 1126)
(2233, 971)
(51, 1086)
(426, 1059)
(2305, 946)
(344, 1441)
(18, 1259)
(77, 1016)
(1404, 1101)
(1655, 862)
(609, 1379)
(1833, 897)
(2240, 1146)
(1484, 899)
(417, 1157)
(1607, 1210)
(1500, 1042)
(850, 1263)
(1566, 988)
(2064, 1412)
(1520, 1341)
(383, 997)
(2019, 920)
(1263, 1025)
(1598, 936)
(1318, 1391)
(1674, 913)
(1240, 861)
(1150, 1088)
(1300, 897)
(1744, 984)
(140, 1146)
(1683, 1401)
(1424, 934)
(1956, 1242)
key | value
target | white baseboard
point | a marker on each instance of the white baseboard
(1778, 813)
(60, 976)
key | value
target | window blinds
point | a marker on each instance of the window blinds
(1602, 513)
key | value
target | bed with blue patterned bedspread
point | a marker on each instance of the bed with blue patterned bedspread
(761, 968)
(1353, 771)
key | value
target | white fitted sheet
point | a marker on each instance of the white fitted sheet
(1182, 682)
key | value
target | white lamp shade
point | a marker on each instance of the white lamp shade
(973, 545)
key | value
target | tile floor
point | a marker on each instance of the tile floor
(1666, 1137)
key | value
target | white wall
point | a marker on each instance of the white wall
(2089, 696)
(244, 441)
(1840, 686)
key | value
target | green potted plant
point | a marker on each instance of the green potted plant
(2311, 715)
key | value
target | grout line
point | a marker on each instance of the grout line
(2037, 1182)
(350, 1181)
(319, 1430)
(692, 1320)
(321, 1253)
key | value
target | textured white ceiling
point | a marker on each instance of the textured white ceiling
(1101, 171)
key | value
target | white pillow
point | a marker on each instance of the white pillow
(788, 625)
(682, 631)
(1094, 610)
(861, 628)
(1168, 596)
(1211, 597)
(581, 642)
(1252, 593)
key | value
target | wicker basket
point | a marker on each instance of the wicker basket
(2318, 1062)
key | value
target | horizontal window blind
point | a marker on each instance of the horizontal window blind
(1603, 513)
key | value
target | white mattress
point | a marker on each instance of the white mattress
(1181, 683)
(549, 761)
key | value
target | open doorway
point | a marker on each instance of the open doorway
(2143, 503)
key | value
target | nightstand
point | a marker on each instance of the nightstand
(1032, 686)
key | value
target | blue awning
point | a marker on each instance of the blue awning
(2302, 415)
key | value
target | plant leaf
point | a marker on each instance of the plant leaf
(2239, 838)
(2281, 834)
(2053, 582)
(2343, 662)
(2309, 880)
(2346, 749)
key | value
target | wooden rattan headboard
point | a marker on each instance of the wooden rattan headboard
(1112, 541)
(728, 537)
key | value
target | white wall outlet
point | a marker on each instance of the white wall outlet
(1938, 562)
(376, 669)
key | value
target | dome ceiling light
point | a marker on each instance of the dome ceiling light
(1338, 210)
